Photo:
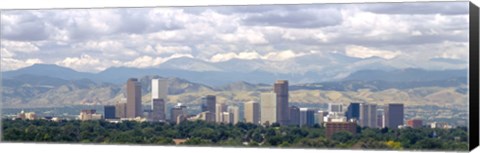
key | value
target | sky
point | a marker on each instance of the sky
(425, 35)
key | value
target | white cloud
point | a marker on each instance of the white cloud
(83, 63)
(243, 35)
(242, 55)
(6, 54)
(282, 55)
(148, 61)
(166, 36)
(364, 52)
(250, 55)
(19, 46)
(108, 48)
(105, 45)
(145, 61)
(13, 64)
(171, 49)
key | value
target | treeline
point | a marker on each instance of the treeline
(241, 134)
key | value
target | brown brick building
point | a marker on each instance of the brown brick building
(335, 127)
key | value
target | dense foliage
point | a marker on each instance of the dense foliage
(241, 134)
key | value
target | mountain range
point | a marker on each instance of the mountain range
(52, 85)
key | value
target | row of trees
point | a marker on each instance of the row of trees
(241, 134)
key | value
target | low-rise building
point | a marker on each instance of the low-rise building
(334, 127)
(89, 114)
(415, 123)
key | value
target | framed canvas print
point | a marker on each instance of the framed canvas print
(327, 76)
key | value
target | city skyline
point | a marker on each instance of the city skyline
(268, 111)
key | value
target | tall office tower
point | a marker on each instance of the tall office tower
(252, 112)
(227, 118)
(177, 111)
(159, 97)
(281, 89)
(158, 109)
(294, 115)
(380, 118)
(109, 111)
(307, 117)
(268, 108)
(353, 111)
(319, 116)
(134, 98)
(159, 90)
(235, 114)
(393, 115)
(335, 108)
(121, 109)
(209, 103)
(203, 107)
(219, 109)
(368, 115)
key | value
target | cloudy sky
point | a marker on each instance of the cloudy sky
(91, 40)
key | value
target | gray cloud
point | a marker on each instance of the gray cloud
(296, 19)
(155, 34)
(24, 27)
(444, 8)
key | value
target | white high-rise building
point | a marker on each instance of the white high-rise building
(159, 98)
(268, 108)
(159, 89)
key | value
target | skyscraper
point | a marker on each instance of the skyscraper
(121, 109)
(159, 98)
(159, 90)
(294, 115)
(281, 90)
(177, 111)
(353, 111)
(227, 118)
(393, 115)
(158, 109)
(268, 108)
(307, 117)
(252, 112)
(233, 110)
(209, 103)
(219, 109)
(134, 101)
(319, 117)
(380, 118)
(368, 115)
(109, 111)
